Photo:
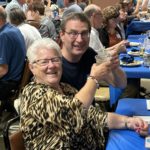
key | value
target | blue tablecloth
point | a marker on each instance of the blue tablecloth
(137, 27)
(131, 72)
(140, 71)
(132, 107)
(127, 139)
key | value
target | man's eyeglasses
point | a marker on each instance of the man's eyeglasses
(45, 62)
(74, 34)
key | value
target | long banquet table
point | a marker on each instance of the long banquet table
(138, 71)
(128, 139)
(137, 27)
(131, 72)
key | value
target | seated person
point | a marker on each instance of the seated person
(30, 33)
(71, 7)
(35, 13)
(94, 13)
(83, 3)
(129, 6)
(54, 115)
(12, 56)
(141, 5)
(111, 14)
(78, 57)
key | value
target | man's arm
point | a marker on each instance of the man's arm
(119, 47)
(117, 77)
(139, 3)
(3, 70)
(145, 5)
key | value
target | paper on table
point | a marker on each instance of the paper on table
(148, 104)
(134, 44)
(147, 142)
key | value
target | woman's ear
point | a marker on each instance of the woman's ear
(31, 67)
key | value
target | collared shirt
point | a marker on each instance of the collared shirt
(72, 7)
(121, 27)
(15, 4)
(95, 42)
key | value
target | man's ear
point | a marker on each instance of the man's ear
(61, 35)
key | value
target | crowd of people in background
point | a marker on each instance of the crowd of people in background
(61, 38)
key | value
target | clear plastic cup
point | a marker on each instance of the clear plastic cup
(103, 56)
(146, 60)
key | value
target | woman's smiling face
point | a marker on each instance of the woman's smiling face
(47, 68)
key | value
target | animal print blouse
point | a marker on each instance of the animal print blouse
(54, 121)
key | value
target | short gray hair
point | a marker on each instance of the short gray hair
(90, 9)
(45, 43)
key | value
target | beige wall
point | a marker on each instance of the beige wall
(104, 3)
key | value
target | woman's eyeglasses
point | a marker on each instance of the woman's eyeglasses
(45, 62)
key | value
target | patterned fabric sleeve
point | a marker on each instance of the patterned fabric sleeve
(48, 106)
(59, 119)
(98, 122)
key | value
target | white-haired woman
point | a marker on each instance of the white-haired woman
(54, 115)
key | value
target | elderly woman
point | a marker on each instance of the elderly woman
(54, 115)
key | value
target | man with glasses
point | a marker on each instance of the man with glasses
(78, 57)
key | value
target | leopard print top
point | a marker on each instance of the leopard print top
(54, 121)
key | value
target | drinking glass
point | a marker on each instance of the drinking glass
(146, 59)
(102, 56)
(141, 46)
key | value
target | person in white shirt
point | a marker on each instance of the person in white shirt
(93, 12)
(29, 32)
(71, 7)
(16, 4)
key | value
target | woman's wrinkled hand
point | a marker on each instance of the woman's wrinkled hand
(139, 125)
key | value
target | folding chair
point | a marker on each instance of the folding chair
(13, 140)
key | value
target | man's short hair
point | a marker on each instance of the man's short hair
(75, 16)
(37, 6)
(3, 14)
(17, 16)
(90, 9)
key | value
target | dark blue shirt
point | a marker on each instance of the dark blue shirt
(76, 73)
(12, 51)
